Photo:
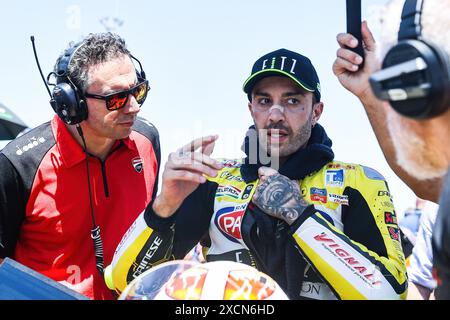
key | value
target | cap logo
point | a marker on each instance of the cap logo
(283, 59)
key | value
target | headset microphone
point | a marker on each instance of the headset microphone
(40, 70)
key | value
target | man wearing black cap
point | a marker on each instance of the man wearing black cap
(322, 229)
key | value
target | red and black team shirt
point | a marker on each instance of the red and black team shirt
(45, 218)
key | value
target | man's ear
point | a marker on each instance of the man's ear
(317, 110)
(250, 108)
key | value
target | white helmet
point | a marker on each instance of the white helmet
(219, 280)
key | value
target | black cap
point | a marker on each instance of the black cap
(285, 63)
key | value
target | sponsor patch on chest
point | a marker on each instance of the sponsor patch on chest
(228, 221)
(229, 191)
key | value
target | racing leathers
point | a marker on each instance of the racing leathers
(45, 211)
(345, 245)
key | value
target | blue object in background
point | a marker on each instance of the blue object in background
(18, 282)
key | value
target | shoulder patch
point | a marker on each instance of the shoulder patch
(372, 174)
(334, 178)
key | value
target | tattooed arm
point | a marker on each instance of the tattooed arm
(279, 196)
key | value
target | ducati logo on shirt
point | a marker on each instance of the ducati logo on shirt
(137, 164)
(228, 221)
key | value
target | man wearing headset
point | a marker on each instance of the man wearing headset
(88, 172)
(323, 229)
(415, 80)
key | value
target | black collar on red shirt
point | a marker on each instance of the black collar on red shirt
(71, 151)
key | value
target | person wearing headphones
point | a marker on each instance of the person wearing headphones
(70, 188)
(410, 96)
(321, 228)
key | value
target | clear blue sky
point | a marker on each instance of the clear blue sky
(196, 55)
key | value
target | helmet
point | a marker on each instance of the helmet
(219, 280)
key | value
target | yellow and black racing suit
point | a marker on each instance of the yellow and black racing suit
(346, 244)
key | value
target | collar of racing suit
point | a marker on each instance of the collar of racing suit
(313, 157)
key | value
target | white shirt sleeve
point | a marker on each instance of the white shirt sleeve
(421, 260)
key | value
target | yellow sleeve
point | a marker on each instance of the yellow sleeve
(140, 249)
(364, 260)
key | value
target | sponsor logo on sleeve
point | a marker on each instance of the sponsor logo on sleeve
(318, 195)
(360, 268)
(334, 178)
(33, 142)
(337, 198)
(390, 218)
(394, 233)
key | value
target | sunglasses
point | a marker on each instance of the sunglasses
(118, 100)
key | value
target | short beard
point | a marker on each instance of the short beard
(298, 140)
(415, 154)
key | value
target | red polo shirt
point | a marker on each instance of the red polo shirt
(54, 236)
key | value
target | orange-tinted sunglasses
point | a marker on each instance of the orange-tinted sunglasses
(118, 100)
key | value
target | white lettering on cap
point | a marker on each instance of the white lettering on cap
(264, 65)
(282, 63)
(293, 66)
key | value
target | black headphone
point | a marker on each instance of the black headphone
(67, 99)
(415, 74)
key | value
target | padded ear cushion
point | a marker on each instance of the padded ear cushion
(68, 107)
(444, 66)
(430, 105)
(82, 110)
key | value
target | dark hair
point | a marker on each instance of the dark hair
(96, 48)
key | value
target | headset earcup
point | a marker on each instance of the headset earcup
(443, 97)
(68, 107)
(83, 110)
(419, 108)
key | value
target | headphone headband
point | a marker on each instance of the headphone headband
(410, 26)
(62, 69)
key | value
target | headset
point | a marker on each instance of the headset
(66, 99)
(415, 74)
